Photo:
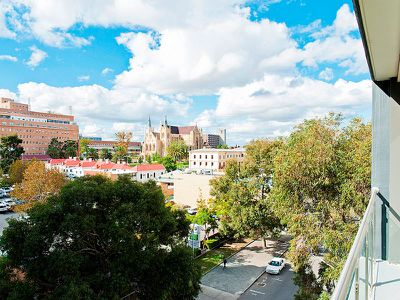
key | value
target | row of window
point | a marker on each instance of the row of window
(33, 125)
(148, 175)
(205, 163)
(221, 156)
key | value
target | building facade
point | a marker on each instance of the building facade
(213, 160)
(36, 129)
(134, 148)
(158, 142)
(215, 140)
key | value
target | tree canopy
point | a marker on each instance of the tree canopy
(58, 149)
(99, 239)
(10, 151)
(178, 150)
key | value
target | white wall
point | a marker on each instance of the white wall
(144, 176)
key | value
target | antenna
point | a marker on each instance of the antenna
(70, 110)
(29, 103)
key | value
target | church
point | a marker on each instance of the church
(158, 142)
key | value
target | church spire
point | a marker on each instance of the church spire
(149, 124)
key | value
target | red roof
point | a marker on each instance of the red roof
(57, 161)
(107, 166)
(72, 162)
(112, 143)
(182, 129)
(149, 167)
(88, 164)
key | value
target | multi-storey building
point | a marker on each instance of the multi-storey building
(134, 148)
(36, 129)
(215, 140)
(213, 159)
(158, 142)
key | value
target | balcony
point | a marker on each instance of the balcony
(372, 269)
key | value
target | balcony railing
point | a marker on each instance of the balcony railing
(368, 273)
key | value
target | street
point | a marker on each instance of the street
(276, 287)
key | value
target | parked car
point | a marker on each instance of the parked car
(10, 202)
(275, 266)
(2, 193)
(192, 211)
(3, 206)
(8, 190)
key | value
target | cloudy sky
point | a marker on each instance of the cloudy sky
(253, 67)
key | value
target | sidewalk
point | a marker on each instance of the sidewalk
(241, 271)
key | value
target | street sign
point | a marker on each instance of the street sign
(194, 237)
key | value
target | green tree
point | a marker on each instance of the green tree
(225, 146)
(54, 150)
(169, 163)
(69, 149)
(320, 189)
(120, 153)
(10, 151)
(83, 146)
(99, 239)
(92, 153)
(105, 154)
(178, 150)
(156, 158)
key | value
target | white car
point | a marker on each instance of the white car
(275, 266)
(10, 202)
(192, 211)
(3, 207)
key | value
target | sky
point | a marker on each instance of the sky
(256, 68)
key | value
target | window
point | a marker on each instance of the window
(200, 156)
(194, 163)
(141, 176)
(212, 156)
(205, 163)
(154, 175)
(194, 156)
(200, 163)
(212, 164)
(206, 156)
(147, 175)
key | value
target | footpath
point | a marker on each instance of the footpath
(241, 271)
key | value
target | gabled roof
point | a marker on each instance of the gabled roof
(72, 162)
(57, 161)
(149, 167)
(88, 164)
(182, 129)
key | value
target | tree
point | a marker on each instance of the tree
(169, 163)
(178, 150)
(225, 146)
(38, 184)
(105, 154)
(92, 153)
(16, 171)
(320, 189)
(10, 151)
(99, 239)
(156, 158)
(84, 146)
(242, 203)
(122, 145)
(54, 149)
(70, 149)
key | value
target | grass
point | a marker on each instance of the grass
(214, 257)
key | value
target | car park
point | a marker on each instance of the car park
(4, 207)
(275, 266)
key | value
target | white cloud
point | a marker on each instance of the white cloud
(8, 57)
(271, 106)
(94, 105)
(7, 94)
(36, 57)
(83, 78)
(106, 71)
(326, 74)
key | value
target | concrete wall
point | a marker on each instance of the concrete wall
(188, 188)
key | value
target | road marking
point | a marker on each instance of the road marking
(253, 291)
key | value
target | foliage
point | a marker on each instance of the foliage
(10, 151)
(309, 288)
(178, 150)
(84, 146)
(105, 154)
(148, 158)
(57, 149)
(38, 184)
(169, 163)
(16, 171)
(70, 149)
(211, 243)
(99, 239)
(92, 153)
(156, 158)
(121, 147)
(320, 189)
(241, 196)
(225, 146)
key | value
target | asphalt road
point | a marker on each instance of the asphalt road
(272, 287)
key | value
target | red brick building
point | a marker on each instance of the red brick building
(36, 129)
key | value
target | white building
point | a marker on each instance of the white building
(148, 172)
(213, 160)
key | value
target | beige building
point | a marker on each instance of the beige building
(36, 129)
(213, 160)
(189, 188)
(158, 142)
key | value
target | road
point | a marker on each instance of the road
(274, 287)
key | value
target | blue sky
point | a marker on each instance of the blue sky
(246, 66)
